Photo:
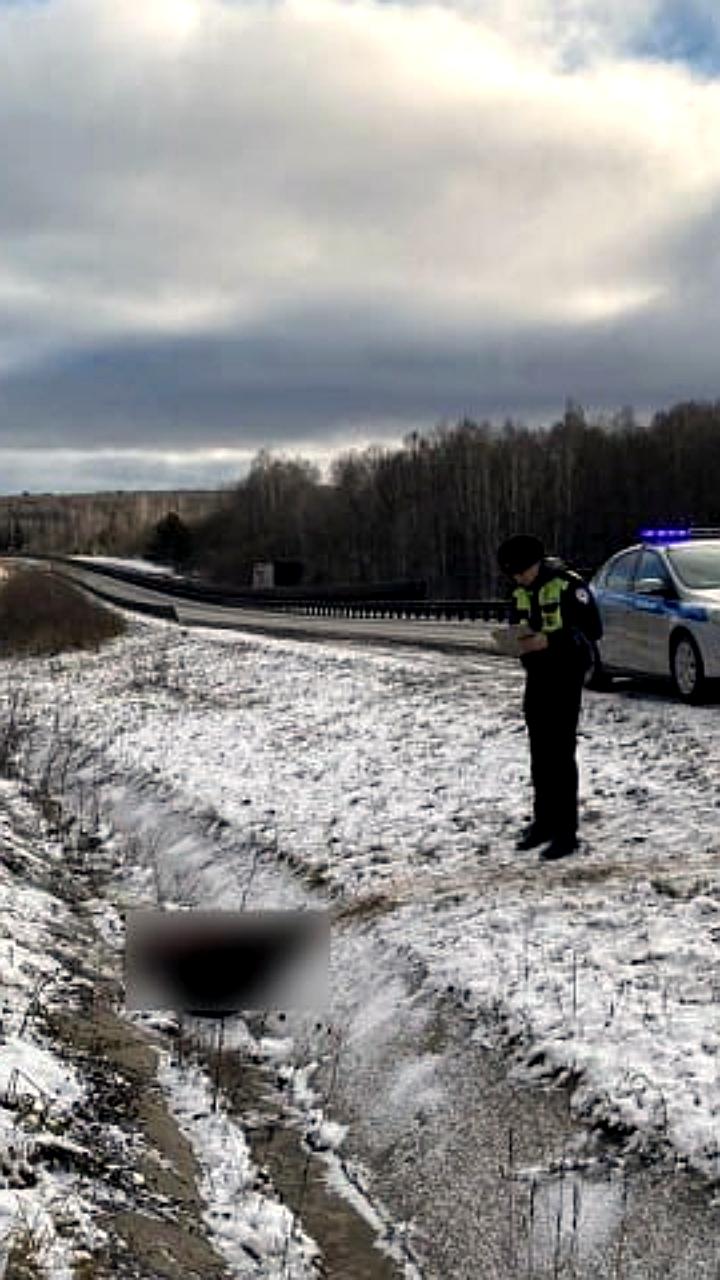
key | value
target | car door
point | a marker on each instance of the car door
(652, 616)
(616, 602)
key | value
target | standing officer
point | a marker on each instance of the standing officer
(557, 606)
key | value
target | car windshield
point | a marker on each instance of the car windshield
(697, 565)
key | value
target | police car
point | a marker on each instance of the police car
(660, 606)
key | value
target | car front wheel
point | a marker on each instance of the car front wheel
(687, 669)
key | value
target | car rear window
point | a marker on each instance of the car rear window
(697, 565)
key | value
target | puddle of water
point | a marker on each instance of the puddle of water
(570, 1217)
(629, 1223)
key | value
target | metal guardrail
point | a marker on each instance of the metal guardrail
(427, 610)
(465, 610)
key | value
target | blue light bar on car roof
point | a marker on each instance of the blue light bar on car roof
(677, 535)
(664, 535)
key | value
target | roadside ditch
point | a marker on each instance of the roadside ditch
(397, 1129)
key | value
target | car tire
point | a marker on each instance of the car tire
(687, 669)
(596, 677)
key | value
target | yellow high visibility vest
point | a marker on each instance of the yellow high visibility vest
(549, 599)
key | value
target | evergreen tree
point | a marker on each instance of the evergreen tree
(171, 541)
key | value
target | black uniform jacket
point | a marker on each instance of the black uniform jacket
(581, 623)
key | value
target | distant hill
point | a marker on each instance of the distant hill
(114, 523)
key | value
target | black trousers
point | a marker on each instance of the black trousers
(552, 707)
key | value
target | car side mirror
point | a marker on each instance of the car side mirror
(653, 587)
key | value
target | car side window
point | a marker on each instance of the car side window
(621, 572)
(652, 566)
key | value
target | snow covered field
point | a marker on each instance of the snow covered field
(393, 783)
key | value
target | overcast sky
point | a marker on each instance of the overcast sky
(309, 225)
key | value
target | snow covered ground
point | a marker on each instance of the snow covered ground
(33, 1079)
(69, 1152)
(393, 783)
(135, 563)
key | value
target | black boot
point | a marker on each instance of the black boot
(532, 836)
(560, 847)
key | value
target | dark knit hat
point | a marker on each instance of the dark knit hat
(518, 553)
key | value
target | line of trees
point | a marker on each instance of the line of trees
(113, 523)
(436, 508)
(432, 510)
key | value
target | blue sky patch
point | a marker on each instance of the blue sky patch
(683, 32)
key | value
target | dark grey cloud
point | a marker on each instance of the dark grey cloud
(292, 387)
(232, 225)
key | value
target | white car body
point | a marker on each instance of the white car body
(649, 609)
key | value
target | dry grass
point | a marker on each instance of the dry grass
(42, 614)
(24, 1259)
(367, 907)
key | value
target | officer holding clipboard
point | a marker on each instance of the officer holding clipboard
(553, 619)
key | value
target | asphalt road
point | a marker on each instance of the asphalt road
(449, 636)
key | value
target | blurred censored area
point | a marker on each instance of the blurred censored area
(212, 963)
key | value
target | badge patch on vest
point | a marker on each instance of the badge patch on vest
(582, 595)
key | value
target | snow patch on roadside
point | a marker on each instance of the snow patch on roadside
(37, 1087)
(248, 1227)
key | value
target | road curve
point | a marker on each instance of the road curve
(449, 636)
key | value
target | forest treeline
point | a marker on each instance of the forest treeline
(436, 508)
(432, 510)
(115, 523)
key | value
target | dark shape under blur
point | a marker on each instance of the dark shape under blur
(214, 963)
